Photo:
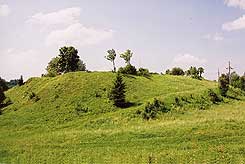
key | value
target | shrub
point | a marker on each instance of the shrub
(177, 71)
(143, 72)
(2, 97)
(80, 109)
(223, 84)
(151, 109)
(33, 96)
(213, 97)
(129, 69)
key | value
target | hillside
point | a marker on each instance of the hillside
(69, 119)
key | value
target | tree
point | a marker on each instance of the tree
(2, 97)
(194, 72)
(111, 57)
(117, 94)
(128, 69)
(81, 65)
(52, 68)
(3, 85)
(168, 72)
(2, 89)
(21, 81)
(242, 82)
(223, 84)
(200, 71)
(235, 80)
(68, 60)
(127, 56)
(177, 71)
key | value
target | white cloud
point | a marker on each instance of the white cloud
(4, 10)
(186, 60)
(78, 35)
(214, 37)
(16, 62)
(66, 16)
(235, 3)
(237, 24)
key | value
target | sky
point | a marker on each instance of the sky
(161, 34)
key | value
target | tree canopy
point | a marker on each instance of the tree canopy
(111, 56)
(66, 61)
(127, 56)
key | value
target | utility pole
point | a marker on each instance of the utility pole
(229, 71)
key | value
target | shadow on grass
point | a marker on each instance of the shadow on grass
(233, 98)
(130, 104)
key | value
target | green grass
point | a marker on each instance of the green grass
(52, 131)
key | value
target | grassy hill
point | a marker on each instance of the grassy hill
(69, 119)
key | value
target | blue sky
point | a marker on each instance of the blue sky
(161, 33)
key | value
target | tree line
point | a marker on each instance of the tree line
(69, 61)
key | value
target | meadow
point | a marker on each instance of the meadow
(69, 119)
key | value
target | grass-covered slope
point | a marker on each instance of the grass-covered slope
(69, 119)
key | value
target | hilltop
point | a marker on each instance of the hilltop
(70, 118)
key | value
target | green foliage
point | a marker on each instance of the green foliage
(81, 65)
(152, 109)
(117, 94)
(2, 97)
(143, 72)
(223, 84)
(68, 59)
(12, 83)
(52, 131)
(176, 71)
(128, 69)
(21, 81)
(52, 68)
(127, 56)
(235, 80)
(32, 96)
(238, 81)
(242, 83)
(213, 97)
(195, 73)
(168, 72)
(200, 71)
(3, 85)
(111, 56)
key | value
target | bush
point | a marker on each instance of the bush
(151, 109)
(2, 97)
(33, 96)
(223, 84)
(177, 71)
(143, 72)
(213, 97)
(129, 69)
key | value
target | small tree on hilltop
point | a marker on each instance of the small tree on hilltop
(111, 57)
(21, 81)
(177, 71)
(68, 59)
(127, 56)
(223, 84)
(52, 68)
(117, 94)
(200, 71)
(3, 85)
